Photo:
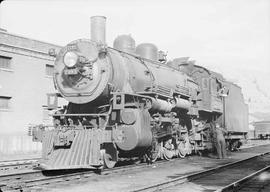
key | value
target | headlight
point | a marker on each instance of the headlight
(70, 59)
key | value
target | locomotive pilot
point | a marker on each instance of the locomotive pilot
(220, 141)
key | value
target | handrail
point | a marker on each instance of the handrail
(80, 114)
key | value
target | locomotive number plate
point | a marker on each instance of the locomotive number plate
(70, 71)
(72, 47)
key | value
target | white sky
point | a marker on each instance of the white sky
(229, 36)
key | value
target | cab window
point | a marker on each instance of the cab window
(213, 86)
(205, 83)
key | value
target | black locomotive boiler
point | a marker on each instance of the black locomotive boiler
(123, 102)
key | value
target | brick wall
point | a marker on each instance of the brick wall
(27, 84)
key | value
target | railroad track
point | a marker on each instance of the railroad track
(32, 179)
(258, 181)
(38, 178)
(18, 164)
(222, 178)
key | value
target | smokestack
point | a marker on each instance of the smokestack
(98, 29)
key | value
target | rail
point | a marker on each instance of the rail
(237, 185)
(18, 164)
(26, 180)
(194, 176)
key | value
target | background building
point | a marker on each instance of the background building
(26, 72)
(262, 129)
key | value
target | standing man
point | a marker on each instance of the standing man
(220, 141)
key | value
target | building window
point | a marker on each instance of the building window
(49, 70)
(5, 62)
(4, 102)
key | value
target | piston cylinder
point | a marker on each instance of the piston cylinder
(161, 105)
(98, 29)
(182, 103)
(137, 133)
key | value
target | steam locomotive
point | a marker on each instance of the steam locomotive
(129, 102)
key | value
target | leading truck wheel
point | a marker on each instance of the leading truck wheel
(109, 155)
